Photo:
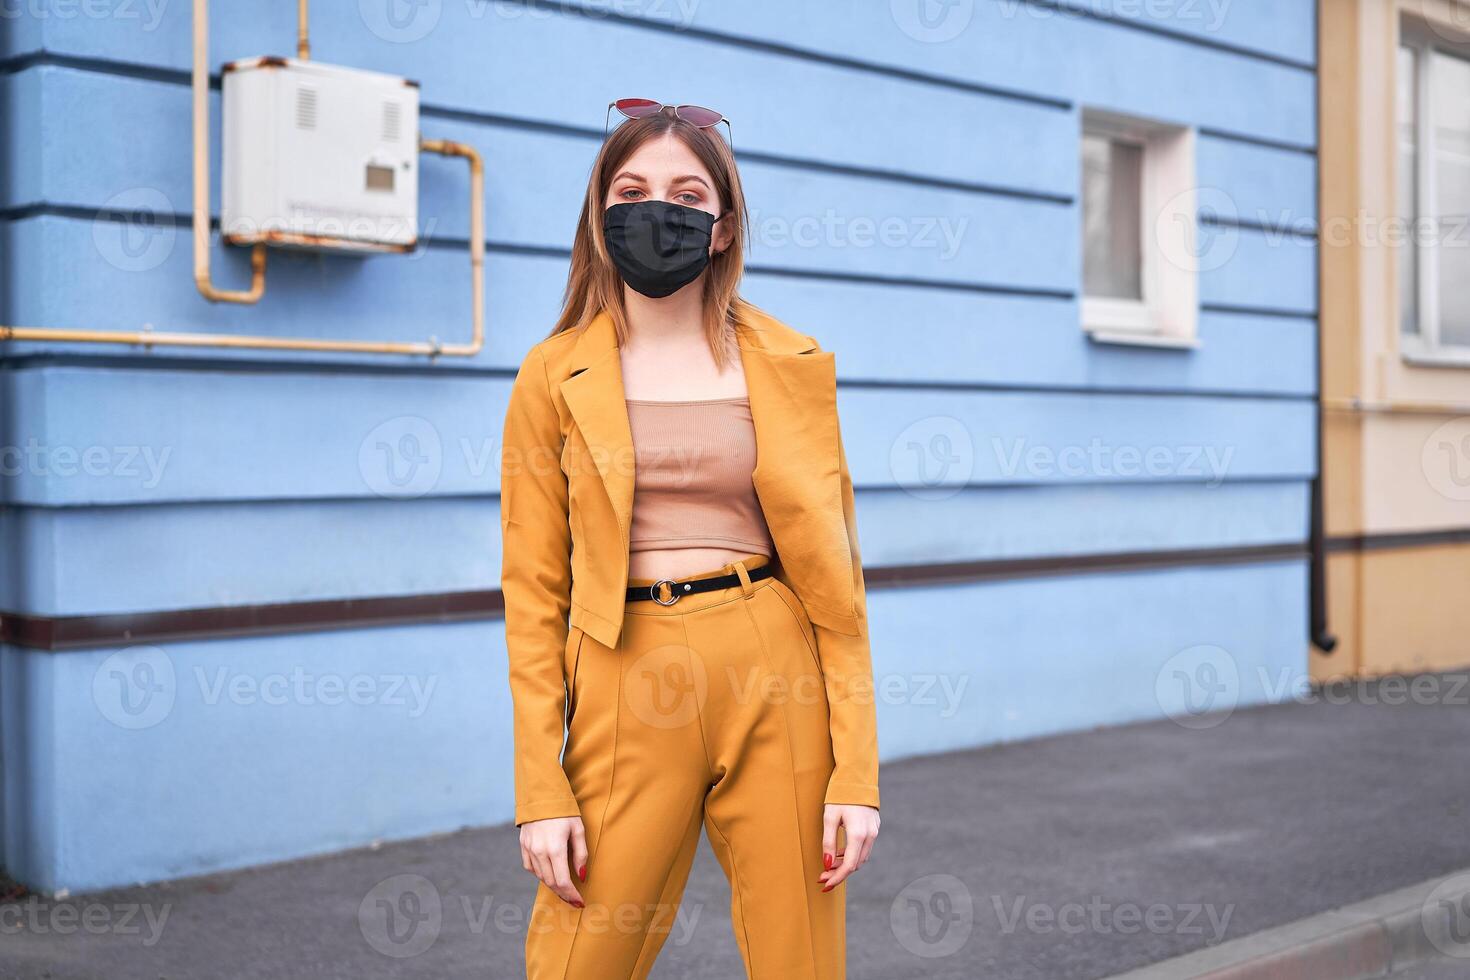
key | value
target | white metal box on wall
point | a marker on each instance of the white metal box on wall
(319, 156)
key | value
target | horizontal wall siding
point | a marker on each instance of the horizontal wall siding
(1242, 351)
(231, 435)
(1263, 28)
(259, 552)
(479, 56)
(806, 219)
(429, 707)
(250, 742)
(914, 192)
(1256, 178)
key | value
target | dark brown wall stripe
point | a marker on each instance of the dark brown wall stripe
(1011, 568)
(1402, 539)
(86, 632)
(83, 632)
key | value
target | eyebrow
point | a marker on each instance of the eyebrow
(677, 180)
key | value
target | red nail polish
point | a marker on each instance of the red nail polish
(827, 861)
(828, 889)
(582, 872)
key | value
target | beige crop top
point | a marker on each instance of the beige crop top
(692, 477)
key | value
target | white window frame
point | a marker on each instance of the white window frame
(1424, 345)
(1168, 313)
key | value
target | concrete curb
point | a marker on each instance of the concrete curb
(1375, 938)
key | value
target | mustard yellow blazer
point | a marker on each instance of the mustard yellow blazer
(566, 498)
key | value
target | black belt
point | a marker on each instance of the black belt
(677, 590)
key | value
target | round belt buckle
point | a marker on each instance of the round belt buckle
(653, 592)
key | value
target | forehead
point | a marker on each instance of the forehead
(664, 157)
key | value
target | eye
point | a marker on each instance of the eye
(630, 194)
(688, 197)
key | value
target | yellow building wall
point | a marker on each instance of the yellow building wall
(1396, 434)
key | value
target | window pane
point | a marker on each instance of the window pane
(1408, 163)
(1449, 102)
(1112, 244)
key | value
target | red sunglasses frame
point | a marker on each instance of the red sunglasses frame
(643, 108)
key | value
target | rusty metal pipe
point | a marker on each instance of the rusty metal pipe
(152, 338)
(200, 84)
(477, 238)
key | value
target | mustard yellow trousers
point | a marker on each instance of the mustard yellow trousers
(712, 711)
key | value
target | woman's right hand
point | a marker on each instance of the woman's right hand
(546, 846)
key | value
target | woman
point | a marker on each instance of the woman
(693, 625)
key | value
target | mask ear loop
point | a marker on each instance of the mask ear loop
(721, 217)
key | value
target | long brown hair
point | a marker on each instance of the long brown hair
(593, 283)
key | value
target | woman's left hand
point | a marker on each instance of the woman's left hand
(859, 829)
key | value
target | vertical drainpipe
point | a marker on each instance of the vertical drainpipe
(1320, 637)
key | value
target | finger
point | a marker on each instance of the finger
(579, 851)
(563, 878)
(836, 863)
(848, 865)
(867, 850)
(830, 821)
(526, 858)
(541, 865)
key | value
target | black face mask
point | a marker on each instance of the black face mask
(658, 247)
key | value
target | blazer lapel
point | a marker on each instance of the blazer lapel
(793, 401)
(594, 395)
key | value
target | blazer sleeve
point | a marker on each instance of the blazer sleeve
(847, 668)
(536, 580)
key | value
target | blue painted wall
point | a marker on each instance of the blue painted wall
(174, 479)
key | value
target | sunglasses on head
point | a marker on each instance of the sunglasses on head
(695, 115)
